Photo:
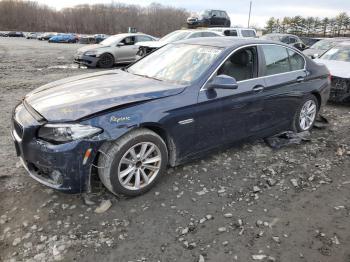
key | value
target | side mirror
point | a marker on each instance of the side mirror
(120, 44)
(223, 82)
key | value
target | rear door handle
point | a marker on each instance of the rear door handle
(300, 79)
(258, 88)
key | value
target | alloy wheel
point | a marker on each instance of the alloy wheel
(139, 166)
(307, 115)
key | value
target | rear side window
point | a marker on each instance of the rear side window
(208, 34)
(248, 33)
(279, 59)
(296, 61)
(141, 38)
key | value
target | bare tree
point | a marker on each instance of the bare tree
(112, 18)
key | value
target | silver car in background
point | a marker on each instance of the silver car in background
(147, 47)
(115, 49)
(337, 59)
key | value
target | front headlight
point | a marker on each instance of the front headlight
(66, 132)
(91, 53)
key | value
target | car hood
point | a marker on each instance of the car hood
(80, 96)
(152, 44)
(336, 68)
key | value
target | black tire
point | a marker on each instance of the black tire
(106, 61)
(110, 161)
(296, 122)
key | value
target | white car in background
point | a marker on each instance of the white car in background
(235, 31)
(147, 47)
(337, 59)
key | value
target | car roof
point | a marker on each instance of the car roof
(281, 34)
(128, 34)
(227, 42)
(230, 28)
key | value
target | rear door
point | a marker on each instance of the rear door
(284, 75)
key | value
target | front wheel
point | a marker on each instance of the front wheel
(133, 164)
(106, 61)
(306, 113)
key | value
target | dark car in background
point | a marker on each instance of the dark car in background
(337, 60)
(129, 125)
(15, 34)
(288, 39)
(209, 18)
(322, 46)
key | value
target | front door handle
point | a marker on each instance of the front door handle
(300, 79)
(258, 88)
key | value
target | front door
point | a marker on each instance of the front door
(126, 50)
(226, 115)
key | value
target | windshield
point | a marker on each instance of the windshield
(175, 36)
(110, 41)
(338, 53)
(176, 63)
(323, 45)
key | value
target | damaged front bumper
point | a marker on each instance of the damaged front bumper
(65, 167)
(340, 89)
(89, 61)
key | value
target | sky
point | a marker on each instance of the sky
(237, 9)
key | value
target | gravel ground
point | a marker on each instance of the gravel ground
(249, 203)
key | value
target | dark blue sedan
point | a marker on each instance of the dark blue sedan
(64, 38)
(174, 105)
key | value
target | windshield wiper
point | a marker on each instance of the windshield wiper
(146, 76)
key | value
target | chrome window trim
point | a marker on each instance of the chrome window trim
(260, 77)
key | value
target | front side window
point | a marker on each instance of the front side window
(279, 59)
(176, 63)
(128, 40)
(241, 65)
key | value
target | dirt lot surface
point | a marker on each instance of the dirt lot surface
(249, 203)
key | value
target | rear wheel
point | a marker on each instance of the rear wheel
(106, 61)
(133, 164)
(306, 113)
